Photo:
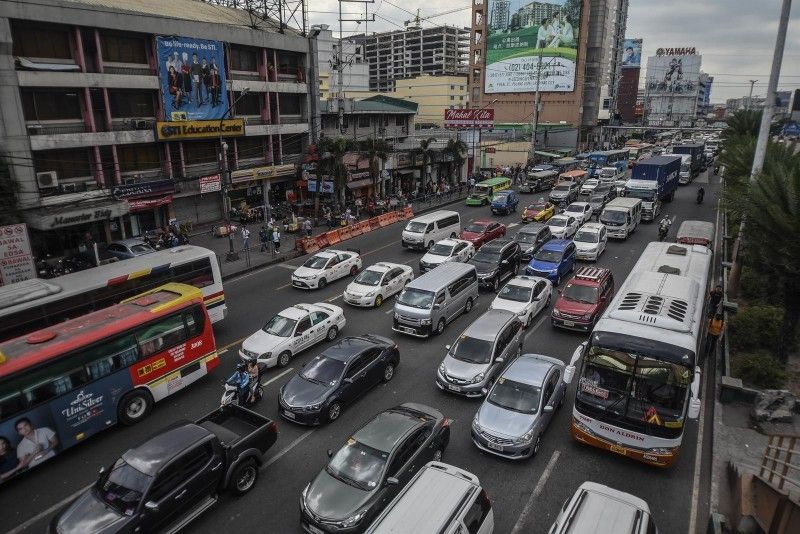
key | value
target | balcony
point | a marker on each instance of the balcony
(136, 70)
(56, 129)
(246, 75)
(293, 119)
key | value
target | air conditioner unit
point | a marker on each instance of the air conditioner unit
(47, 180)
(140, 124)
(69, 188)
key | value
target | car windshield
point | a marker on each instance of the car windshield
(561, 188)
(122, 487)
(524, 237)
(515, 293)
(515, 396)
(471, 350)
(549, 256)
(416, 298)
(369, 278)
(316, 262)
(476, 228)
(557, 221)
(358, 465)
(591, 183)
(142, 249)
(613, 216)
(585, 236)
(581, 293)
(441, 249)
(416, 227)
(644, 194)
(574, 208)
(280, 326)
(484, 256)
(323, 370)
(597, 199)
(481, 190)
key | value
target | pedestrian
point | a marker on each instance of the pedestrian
(471, 183)
(262, 236)
(715, 326)
(714, 300)
(307, 227)
(245, 238)
(276, 239)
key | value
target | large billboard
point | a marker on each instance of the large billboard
(527, 41)
(673, 74)
(192, 74)
(631, 53)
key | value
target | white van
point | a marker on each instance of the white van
(608, 175)
(598, 509)
(440, 499)
(423, 231)
(622, 216)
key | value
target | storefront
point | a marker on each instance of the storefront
(150, 205)
(198, 201)
(248, 186)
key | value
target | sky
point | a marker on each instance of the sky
(735, 37)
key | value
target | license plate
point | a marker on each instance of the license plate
(409, 330)
(569, 323)
(453, 388)
(296, 283)
(494, 446)
(315, 530)
(289, 414)
(619, 450)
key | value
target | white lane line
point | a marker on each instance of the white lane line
(288, 266)
(337, 297)
(221, 352)
(24, 526)
(389, 311)
(512, 225)
(284, 286)
(523, 517)
(286, 449)
(274, 378)
(698, 456)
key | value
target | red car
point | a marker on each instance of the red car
(483, 231)
(583, 299)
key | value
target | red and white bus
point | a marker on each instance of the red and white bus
(62, 384)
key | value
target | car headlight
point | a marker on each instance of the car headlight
(556, 313)
(526, 437)
(267, 355)
(661, 450)
(582, 427)
(442, 368)
(425, 321)
(587, 316)
(477, 378)
(353, 519)
(478, 428)
(313, 407)
(397, 316)
(522, 313)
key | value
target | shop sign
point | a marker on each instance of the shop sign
(474, 118)
(182, 130)
(327, 187)
(16, 259)
(149, 203)
(359, 175)
(261, 173)
(210, 184)
(48, 220)
(403, 160)
(143, 189)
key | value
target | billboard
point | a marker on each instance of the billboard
(675, 75)
(632, 53)
(468, 118)
(527, 41)
(192, 78)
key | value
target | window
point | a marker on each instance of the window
(244, 59)
(386, 120)
(452, 97)
(70, 163)
(195, 321)
(126, 104)
(363, 121)
(248, 104)
(399, 120)
(317, 317)
(292, 104)
(201, 152)
(39, 40)
(112, 355)
(11, 403)
(118, 48)
(138, 157)
(439, 299)
(250, 147)
(452, 87)
(477, 513)
(47, 105)
(303, 325)
(448, 221)
(356, 366)
(161, 335)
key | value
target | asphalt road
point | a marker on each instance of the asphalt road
(526, 495)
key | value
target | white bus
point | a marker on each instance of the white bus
(639, 371)
(34, 304)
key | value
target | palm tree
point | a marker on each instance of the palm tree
(457, 149)
(332, 152)
(428, 156)
(742, 122)
(376, 150)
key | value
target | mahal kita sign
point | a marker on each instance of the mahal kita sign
(16, 259)
(468, 118)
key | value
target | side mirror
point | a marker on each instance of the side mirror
(694, 402)
(548, 409)
(504, 262)
(437, 306)
(447, 347)
(569, 374)
(500, 360)
(348, 380)
(330, 453)
(694, 408)
(151, 506)
(298, 334)
(101, 470)
(392, 481)
(485, 391)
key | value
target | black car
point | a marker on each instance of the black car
(495, 261)
(337, 377)
(530, 237)
(597, 202)
(372, 467)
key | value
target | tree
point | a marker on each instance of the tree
(9, 210)
(457, 149)
(376, 150)
(332, 152)
(428, 156)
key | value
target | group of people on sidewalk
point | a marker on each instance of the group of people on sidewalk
(716, 322)
(269, 236)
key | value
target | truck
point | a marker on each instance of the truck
(170, 479)
(654, 180)
(695, 151)
(621, 217)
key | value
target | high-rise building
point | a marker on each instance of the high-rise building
(501, 15)
(704, 94)
(355, 71)
(672, 87)
(413, 51)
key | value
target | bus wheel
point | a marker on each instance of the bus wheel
(135, 406)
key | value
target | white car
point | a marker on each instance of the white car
(619, 186)
(562, 226)
(582, 211)
(590, 241)
(377, 283)
(524, 295)
(326, 266)
(293, 330)
(589, 186)
(446, 250)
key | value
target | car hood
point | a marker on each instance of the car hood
(331, 498)
(581, 246)
(463, 370)
(470, 236)
(306, 271)
(574, 307)
(88, 514)
(533, 212)
(261, 342)
(483, 267)
(300, 392)
(434, 259)
(510, 305)
(360, 289)
(538, 265)
(502, 421)
(558, 194)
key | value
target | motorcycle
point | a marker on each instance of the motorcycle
(663, 230)
(231, 395)
(700, 194)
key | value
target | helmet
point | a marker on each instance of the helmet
(240, 366)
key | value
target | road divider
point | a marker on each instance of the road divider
(309, 245)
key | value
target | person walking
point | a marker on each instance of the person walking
(307, 227)
(262, 236)
(715, 326)
(714, 300)
(276, 239)
(245, 238)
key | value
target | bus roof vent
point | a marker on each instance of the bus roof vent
(653, 304)
(677, 250)
(668, 269)
(658, 299)
(677, 309)
(630, 301)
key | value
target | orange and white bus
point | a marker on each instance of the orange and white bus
(62, 384)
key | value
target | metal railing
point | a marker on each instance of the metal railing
(433, 200)
(57, 129)
(776, 465)
(117, 69)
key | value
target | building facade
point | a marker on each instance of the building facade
(672, 87)
(355, 74)
(704, 94)
(628, 94)
(94, 122)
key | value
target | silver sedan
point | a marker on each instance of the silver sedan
(519, 407)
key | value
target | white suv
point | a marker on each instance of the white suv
(590, 241)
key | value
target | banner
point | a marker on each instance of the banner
(192, 77)
(16, 258)
(676, 75)
(178, 131)
(632, 53)
(532, 40)
(261, 173)
(210, 184)
(468, 118)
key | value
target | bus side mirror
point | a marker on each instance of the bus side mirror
(694, 408)
(569, 374)
(694, 401)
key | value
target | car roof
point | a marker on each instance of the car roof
(582, 204)
(451, 242)
(532, 228)
(149, 457)
(590, 276)
(529, 369)
(561, 216)
(387, 429)
(593, 226)
(383, 266)
(297, 311)
(564, 182)
(434, 216)
(556, 244)
(130, 241)
(525, 280)
(347, 348)
(497, 244)
(488, 325)
(483, 221)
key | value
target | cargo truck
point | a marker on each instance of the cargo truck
(695, 151)
(654, 180)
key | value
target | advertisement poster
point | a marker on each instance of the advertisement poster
(673, 74)
(16, 259)
(532, 40)
(632, 53)
(210, 184)
(192, 77)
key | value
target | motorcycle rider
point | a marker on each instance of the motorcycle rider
(663, 227)
(241, 378)
(700, 194)
(253, 372)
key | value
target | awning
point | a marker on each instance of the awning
(75, 214)
(359, 183)
(144, 204)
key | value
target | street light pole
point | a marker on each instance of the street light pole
(226, 178)
(474, 128)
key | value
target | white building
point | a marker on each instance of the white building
(355, 75)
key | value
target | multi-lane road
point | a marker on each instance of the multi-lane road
(526, 495)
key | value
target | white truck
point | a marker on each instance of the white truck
(685, 175)
(621, 216)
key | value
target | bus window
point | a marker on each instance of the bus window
(201, 274)
(162, 335)
(11, 403)
(112, 355)
(53, 381)
(195, 321)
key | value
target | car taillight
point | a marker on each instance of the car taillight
(272, 427)
(446, 423)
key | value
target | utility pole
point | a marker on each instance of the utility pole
(340, 61)
(225, 176)
(750, 98)
(763, 138)
(536, 104)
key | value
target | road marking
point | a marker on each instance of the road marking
(24, 526)
(698, 456)
(229, 345)
(286, 449)
(334, 298)
(512, 225)
(274, 378)
(284, 286)
(392, 244)
(389, 311)
(536, 492)
(288, 266)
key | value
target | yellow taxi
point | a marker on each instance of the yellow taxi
(540, 211)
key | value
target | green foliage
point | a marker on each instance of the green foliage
(756, 327)
(760, 369)
(754, 286)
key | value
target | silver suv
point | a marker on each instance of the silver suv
(480, 354)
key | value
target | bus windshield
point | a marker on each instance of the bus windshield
(481, 190)
(636, 388)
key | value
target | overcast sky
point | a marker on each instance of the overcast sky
(735, 37)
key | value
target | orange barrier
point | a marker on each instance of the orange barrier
(322, 242)
(332, 237)
(374, 223)
(395, 216)
(408, 212)
(310, 246)
(355, 230)
(384, 220)
(345, 233)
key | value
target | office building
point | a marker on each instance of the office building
(704, 94)
(355, 71)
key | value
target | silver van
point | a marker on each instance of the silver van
(481, 353)
(598, 509)
(423, 231)
(434, 299)
(440, 499)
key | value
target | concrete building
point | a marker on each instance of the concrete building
(412, 52)
(82, 104)
(704, 94)
(355, 76)
(628, 94)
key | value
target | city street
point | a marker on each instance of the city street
(526, 495)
